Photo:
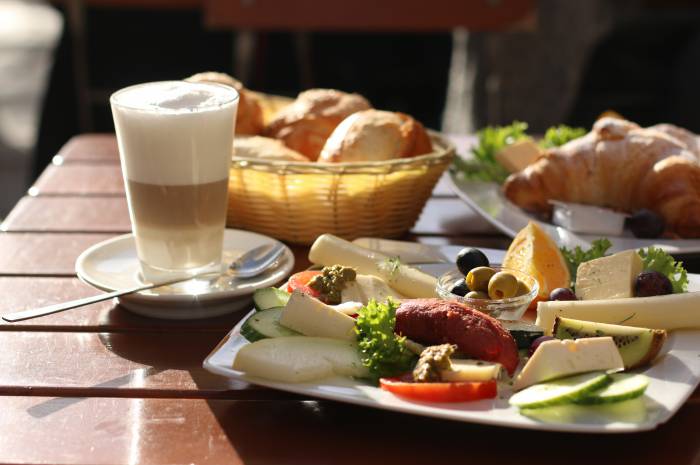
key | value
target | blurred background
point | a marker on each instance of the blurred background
(456, 65)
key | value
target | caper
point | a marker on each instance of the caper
(477, 295)
(478, 278)
(522, 289)
(503, 285)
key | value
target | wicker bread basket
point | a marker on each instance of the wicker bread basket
(296, 201)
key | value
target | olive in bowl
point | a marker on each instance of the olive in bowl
(511, 308)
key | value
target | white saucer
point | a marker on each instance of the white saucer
(113, 264)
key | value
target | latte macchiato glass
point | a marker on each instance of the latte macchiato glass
(175, 142)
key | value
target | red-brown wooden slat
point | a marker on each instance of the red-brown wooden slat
(156, 364)
(69, 214)
(25, 292)
(101, 148)
(80, 179)
(182, 431)
(451, 217)
(41, 254)
(368, 15)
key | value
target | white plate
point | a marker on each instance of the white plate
(674, 376)
(113, 264)
(487, 199)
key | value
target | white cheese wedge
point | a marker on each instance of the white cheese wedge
(556, 359)
(673, 311)
(348, 308)
(331, 250)
(471, 370)
(608, 277)
(311, 317)
(518, 155)
(299, 359)
(366, 287)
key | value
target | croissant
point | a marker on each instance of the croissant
(305, 125)
(249, 118)
(621, 166)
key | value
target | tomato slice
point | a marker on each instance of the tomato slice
(299, 281)
(463, 391)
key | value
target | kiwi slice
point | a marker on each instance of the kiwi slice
(637, 346)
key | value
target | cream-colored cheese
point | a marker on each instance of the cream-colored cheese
(330, 250)
(673, 311)
(556, 359)
(608, 277)
(367, 287)
(311, 317)
(471, 370)
(518, 155)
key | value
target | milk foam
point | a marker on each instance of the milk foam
(175, 133)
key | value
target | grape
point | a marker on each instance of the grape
(536, 343)
(470, 258)
(460, 288)
(646, 224)
(562, 293)
(650, 283)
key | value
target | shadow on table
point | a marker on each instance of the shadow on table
(322, 432)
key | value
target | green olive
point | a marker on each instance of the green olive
(503, 285)
(477, 295)
(479, 277)
(522, 289)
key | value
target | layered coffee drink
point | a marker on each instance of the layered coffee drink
(175, 142)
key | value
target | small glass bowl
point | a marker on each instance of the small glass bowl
(502, 309)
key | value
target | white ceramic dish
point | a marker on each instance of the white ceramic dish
(487, 200)
(674, 376)
(113, 264)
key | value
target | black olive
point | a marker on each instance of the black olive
(460, 288)
(646, 224)
(470, 258)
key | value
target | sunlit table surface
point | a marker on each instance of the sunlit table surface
(99, 385)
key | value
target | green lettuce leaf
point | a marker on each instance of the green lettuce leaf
(559, 135)
(577, 256)
(492, 139)
(657, 260)
(382, 351)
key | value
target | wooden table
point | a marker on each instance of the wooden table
(99, 385)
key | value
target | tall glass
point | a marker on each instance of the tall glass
(175, 140)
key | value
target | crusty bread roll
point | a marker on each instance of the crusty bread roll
(374, 135)
(264, 148)
(622, 166)
(306, 124)
(249, 119)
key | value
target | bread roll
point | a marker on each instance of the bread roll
(306, 124)
(264, 148)
(374, 135)
(249, 119)
(621, 166)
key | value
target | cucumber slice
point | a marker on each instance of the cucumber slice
(623, 387)
(269, 297)
(265, 324)
(560, 391)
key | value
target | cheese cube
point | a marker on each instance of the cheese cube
(311, 317)
(556, 359)
(608, 277)
(516, 156)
